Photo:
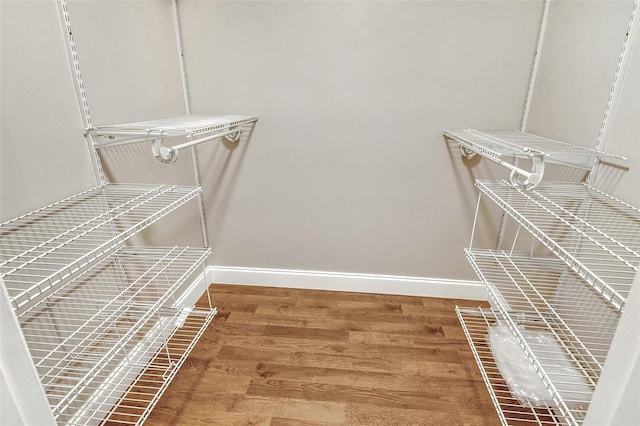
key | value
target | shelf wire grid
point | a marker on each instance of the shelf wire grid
(476, 323)
(497, 143)
(42, 249)
(545, 294)
(594, 234)
(86, 329)
(137, 402)
(186, 125)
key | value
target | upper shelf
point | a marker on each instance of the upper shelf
(197, 128)
(497, 144)
(40, 250)
(594, 234)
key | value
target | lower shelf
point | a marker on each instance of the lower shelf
(131, 390)
(475, 323)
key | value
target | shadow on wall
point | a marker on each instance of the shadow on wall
(609, 176)
(219, 164)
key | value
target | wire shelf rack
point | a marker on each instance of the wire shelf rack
(94, 335)
(42, 249)
(497, 144)
(545, 289)
(594, 234)
(185, 125)
(545, 295)
(476, 323)
(193, 129)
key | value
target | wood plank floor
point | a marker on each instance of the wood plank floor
(277, 356)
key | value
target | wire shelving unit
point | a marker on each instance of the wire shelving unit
(95, 335)
(40, 250)
(505, 146)
(101, 318)
(181, 132)
(596, 235)
(561, 301)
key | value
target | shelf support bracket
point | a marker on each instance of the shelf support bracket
(169, 154)
(527, 180)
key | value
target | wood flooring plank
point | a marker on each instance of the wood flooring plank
(301, 409)
(280, 421)
(393, 316)
(442, 380)
(306, 333)
(354, 350)
(438, 338)
(399, 327)
(175, 406)
(276, 356)
(372, 415)
(426, 400)
(218, 328)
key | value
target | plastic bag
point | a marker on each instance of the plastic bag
(521, 376)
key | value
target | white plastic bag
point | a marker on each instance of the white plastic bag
(521, 376)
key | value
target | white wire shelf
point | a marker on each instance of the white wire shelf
(195, 128)
(94, 335)
(594, 234)
(42, 249)
(497, 144)
(546, 291)
(476, 323)
(135, 405)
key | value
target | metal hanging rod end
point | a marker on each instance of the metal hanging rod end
(169, 155)
(165, 155)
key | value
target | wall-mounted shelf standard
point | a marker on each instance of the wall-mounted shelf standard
(594, 234)
(41, 250)
(194, 128)
(496, 145)
(91, 338)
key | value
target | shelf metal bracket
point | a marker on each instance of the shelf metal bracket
(466, 152)
(527, 180)
(169, 154)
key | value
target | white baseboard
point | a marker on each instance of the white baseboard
(334, 281)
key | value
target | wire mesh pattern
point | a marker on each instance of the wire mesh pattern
(476, 323)
(594, 234)
(498, 143)
(545, 289)
(93, 336)
(40, 250)
(136, 403)
(186, 125)
(544, 292)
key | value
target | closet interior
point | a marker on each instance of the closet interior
(108, 316)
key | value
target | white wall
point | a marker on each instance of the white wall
(347, 170)
(43, 156)
(129, 59)
(581, 49)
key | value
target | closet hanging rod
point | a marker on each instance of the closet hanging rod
(169, 154)
(497, 144)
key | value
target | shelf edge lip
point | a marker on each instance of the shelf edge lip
(524, 151)
(163, 128)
